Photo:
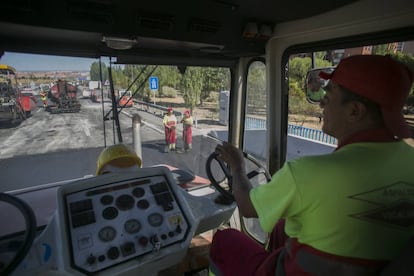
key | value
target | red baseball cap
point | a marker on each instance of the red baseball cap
(380, 79)
(169, 109)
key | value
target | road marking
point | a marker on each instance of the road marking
(154, 127)
(86, 130)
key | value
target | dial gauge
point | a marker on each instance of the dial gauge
(132, 226)
(107, 234)
(155, 219)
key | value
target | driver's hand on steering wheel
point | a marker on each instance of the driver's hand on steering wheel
(232, 156)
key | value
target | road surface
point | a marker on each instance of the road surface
(48, 148)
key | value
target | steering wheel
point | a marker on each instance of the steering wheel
(30, 233)
(226, 196)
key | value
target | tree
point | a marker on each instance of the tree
(256, 88)
(382, 49)
(119, 78)
(95, 73)
(167, 76)
(214, 79)
(191, 84)
(298, 67)
(408, 60)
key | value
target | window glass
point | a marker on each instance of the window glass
(59, 136)
(255, 138)
(305, 136)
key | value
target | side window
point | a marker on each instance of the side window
(305, 119)
(305, 135)
(256, 111)
(255, 138)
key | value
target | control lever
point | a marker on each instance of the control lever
(155, 241)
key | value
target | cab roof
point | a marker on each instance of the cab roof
(151, 32)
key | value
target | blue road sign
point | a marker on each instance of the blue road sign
(153, 83)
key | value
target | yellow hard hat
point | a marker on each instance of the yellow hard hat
(118, 155)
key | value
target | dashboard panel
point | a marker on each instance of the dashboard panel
(119, 221)
(135, 223)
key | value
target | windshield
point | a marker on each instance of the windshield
(60, 139)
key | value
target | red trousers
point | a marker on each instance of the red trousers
(187, 134)
(170, 135)
(234, 253)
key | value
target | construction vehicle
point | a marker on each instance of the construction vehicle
(125, 99)
(27, 101)
(14, 105)
(63, 96)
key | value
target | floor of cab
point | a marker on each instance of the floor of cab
(196, 261)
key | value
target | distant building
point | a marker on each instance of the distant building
(407, 47)
(334, 56)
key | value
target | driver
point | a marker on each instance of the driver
(344, 213)
(117, 158)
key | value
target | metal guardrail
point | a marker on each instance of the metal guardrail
(305, 132)
(251, 123)
(312, 134)
(255, 123)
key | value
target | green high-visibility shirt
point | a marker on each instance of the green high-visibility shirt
(356, 202)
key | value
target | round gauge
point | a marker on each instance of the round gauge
(107, 199)
(143, 204)
(110, 213)
(125, 202)
(138, 192)
(107, 234)
(132, 226)
(155, 219)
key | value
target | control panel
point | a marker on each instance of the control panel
(135, 223)
(118, 220)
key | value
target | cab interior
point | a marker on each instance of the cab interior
(197, 33)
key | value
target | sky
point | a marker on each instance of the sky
(30, 62)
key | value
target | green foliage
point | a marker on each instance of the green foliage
(197, 83)
(169, 92)
(119, 78)
(213, 79)
(191, 84)
(298, 103)
(408, 60)
(95, 72)
(298, 68)
(256, 89)
(214, 96)
(168, 76)
(381, 50)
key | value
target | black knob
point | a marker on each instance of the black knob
(113, 253)
(143, 241)
(91, 259)
(154, 239)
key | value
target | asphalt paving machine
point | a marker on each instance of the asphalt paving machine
(63, 97)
